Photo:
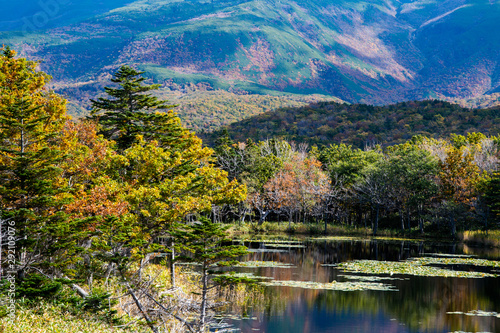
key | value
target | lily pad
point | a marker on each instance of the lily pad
(409, 267)
(369, 278)
(457, 261)
(334, 285)
(266, 250)
(477, 313)
(278, 245)
(337, 238)
(251, 276)
(447, 255)
(256, 264)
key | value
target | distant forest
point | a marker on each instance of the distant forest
(325, 123)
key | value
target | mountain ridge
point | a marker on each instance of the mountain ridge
(376, 52)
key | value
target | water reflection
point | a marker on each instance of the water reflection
(421, 304)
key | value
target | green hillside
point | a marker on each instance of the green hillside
(325, 123)
(374, 52)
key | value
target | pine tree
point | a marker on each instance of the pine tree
(206, 243)
(128, 113)
(30, 191)
(492, 195)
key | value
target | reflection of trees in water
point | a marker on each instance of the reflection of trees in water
(421, 303)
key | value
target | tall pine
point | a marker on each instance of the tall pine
(31, 120)
(131, 112)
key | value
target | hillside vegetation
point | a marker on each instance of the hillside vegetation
(325, 123)
(374, 52)
(207, 110)
(93, 211)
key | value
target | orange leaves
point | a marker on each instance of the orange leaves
(300, 183)
(99, 201)
(87, 153)
(86, 171)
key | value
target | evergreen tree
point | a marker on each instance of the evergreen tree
(30, 189)
(492, 195)
(206, 244)
(128, 113)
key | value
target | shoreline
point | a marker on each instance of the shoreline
(474, 238)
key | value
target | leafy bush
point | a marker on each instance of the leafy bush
(99, 302)
(37, 286)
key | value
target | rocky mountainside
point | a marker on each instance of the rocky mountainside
(375, 52)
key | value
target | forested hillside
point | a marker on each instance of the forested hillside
(374, 52)
(96, 212)
(202, 109)
(325, 123)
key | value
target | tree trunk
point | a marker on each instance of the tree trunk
(453, 225)
(204, 292)
(172, 264)
(141, 309)
(408, 218)
(420, 220)
(402, 217)
(375, 227)
(263, 215)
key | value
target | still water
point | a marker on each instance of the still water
(418, 303)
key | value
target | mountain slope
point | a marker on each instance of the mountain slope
(325, 123)
(370, 51)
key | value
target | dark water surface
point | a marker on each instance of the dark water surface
(420, 304)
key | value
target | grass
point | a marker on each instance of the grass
(313, 229)
(489, 238)
(48, 317)
(64, 312)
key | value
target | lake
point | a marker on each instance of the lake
(394, 302)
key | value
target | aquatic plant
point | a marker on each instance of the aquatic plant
(255, 264)
(408, 267)
(334, 285)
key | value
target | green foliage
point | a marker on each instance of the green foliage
(492, 195)
(125, 116)
(34, 286)
(31, 194)
(412, 172)
(205, 242)
(360, 125)
(100, 303)
(347, 163)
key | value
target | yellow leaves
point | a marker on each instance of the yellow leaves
(163, 185)
(459, 174)
(88, 154)
(21, 81)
